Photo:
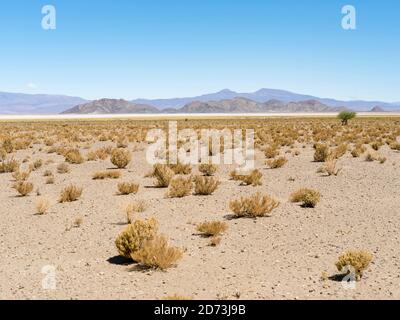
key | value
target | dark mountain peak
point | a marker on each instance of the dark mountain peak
(111, 106)
(377, 109)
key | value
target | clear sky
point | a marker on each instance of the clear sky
(172, 48)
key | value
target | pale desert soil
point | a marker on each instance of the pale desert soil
(278, 257)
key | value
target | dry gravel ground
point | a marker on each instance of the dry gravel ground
(277, 257)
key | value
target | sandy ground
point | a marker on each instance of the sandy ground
(278, 257)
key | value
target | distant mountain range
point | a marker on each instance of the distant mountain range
(20, 103)
(264, 95)
(236, 105)
(263, 100)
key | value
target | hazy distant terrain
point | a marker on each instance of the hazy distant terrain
(19, 103)
(264, 100)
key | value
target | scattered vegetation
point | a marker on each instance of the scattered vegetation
(120, 158)
(205, 185)
(125, 188)
(359, 260)
(308, 197)
(180, 187)
(70, 194)
(254, 206)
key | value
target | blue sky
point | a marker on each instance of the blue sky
(168, 48)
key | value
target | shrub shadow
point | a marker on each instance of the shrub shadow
(120, 260)
(337, 277)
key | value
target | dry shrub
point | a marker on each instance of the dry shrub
(375, 156)
(8, 145)
(308, 197)
(70, 194)
(47, 173)
(99, 154)
(358, 151)
(271, 152)
(157, 254)
(395, 146)
(133, 237)
(42, 206)
(50, 180)
(3, 154)
(181, 168)
(37, 164)
(215, 241)
(180, 187)
(205, 185)
(21, 175)
(63, 168)
(24, 188)
(163, 175)
(125, 188)
(253, 206)
(338, 152)
(120, 158)
(213, 228)
(357, 259)
(277, 163)
(375, 145)
(101, 175)
(8, 166)
(208, 169)
(321, 152)
(74, 157)
(329, 167)
(78, 222)
(253, 178)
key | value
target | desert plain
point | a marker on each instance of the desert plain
(288, 253)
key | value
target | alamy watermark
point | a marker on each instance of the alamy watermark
(49, 281)
(49, 20)
(189, 146)
(349, 20)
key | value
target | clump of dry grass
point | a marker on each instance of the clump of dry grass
(126, 188)
(181, 168)
(131, 208)
(70, 194)
(8, 166)
(253, 206)
(329, 167)
(109, 174)
(163, 175)
(338, 152)
(213, 228)
(42, 206)
(215, 241)
(133, 237)
(74, 157)
(375, 156)
(21, 175)
(253, 178)
(50, 180)
(359, 260)
(308, 197)
(120, 158)
(357, 151)
(271, 152)
(157, 254)
(180, 187)
(321, 153)
(277, 163)
(78, 222)
(99, 154)
(205, 185)
(37, 164)
(63, 168)
(208, 169)
(24, 188)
